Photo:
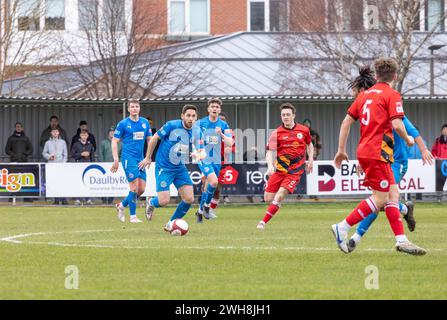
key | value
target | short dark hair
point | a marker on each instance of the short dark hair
(83, 122)
(54, 117)
(132, 101)
(187, 107)
(288, 105)
(83, 131)
(215, 100)
(18, 122)
(223, 114)
(444, 126)
(52, 129)
(385, 69)
(365, 79)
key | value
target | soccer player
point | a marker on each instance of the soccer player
(379, 110)
(177, 138)
(133, 132)
(290, 142)
(400, 165)
(213, 131)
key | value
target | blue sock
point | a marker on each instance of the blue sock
(209, 194)
(401, 206)
(154, 202)
(132, 198)
(366, 223)
(181, 210)
(128, 199)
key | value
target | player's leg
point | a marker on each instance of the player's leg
(184, 186)
(407, 209)
(131, 170)
(274, 206)
(211, 172)
(395, 221)
(215, 200)
(163, 180)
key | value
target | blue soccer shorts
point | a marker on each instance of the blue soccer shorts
(132, 171)
(165, 177)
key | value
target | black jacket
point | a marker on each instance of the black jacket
(76, 138)
(18, 147)
(79, 148)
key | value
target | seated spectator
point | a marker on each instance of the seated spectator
(18, 147)
(46, 134)
(55, 150)
(316, 141)
(439, 149)
(82, 151)
(91, 138)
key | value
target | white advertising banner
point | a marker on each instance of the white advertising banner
(328, 180)
(92, 180)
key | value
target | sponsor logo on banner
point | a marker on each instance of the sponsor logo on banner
(327, 173)
(441, 175)
(19, 180)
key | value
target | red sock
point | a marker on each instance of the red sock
(271, 211)
(214, 203)
(393, 215)
(361, 211)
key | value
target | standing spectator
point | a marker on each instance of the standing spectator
(46, 134)
(18, 147)
(105, 155)
(55, 150)
(439, 149)
(153, 130)
(83, 151)
(91, 138)
(316, 141)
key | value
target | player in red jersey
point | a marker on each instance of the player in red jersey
(379, 110)
(290, 143)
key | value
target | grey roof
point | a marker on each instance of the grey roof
(254, 64)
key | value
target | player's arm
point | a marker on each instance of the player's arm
(270, 159)
(343, 140)
(427, 157)
(115, 165)
(399, 127)
(152, 143)
(310, 153)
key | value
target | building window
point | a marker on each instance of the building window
(434, 15)
(257, 16)
(55, 15)
(114, 14)
(88, 14)
(345, 15)
(188, 16)
(279, 16)
(28, 15)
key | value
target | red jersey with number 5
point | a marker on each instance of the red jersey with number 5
(290, 146)
(376, 108)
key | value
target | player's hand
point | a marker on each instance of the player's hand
(309, 166)
(270, 171)
(219, 130)
(410, 141)
(145, 163)
(339, 157)
(115, 166)
(427, 157)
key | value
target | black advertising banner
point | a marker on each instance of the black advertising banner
(20, 180)
(441, 175)
(240, 179)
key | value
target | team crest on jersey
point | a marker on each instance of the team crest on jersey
(207, 169)
(384, 184)
(144, 125)
(399, 107)
(299, 136)
(131, 175)
(163, 184)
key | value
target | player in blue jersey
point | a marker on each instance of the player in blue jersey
(178, 140)
(214, 131)
(400, 165)
(133, 132)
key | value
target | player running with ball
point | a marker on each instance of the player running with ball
(290, 142)
(379, 110)
(178, 138)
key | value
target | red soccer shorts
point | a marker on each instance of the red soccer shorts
(280, 179)
(378, 174)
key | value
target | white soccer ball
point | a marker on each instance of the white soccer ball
(179, 227)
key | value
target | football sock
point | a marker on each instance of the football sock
(366, 223)
(393, 215)
(356, 237)
(132, 198)
(214, 203)
(154, 202)
(209, 194)
(128, 199)
(271, 211)
(403, 208)
(361, 211)
(181, 210)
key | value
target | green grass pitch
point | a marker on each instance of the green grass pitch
(295, 257)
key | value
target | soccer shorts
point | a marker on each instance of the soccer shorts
(165, 177)
(132, 171)
(281, 179)
(378, 174)
(209, 168)
(399, 169)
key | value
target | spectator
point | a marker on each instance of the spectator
(46, 134)
(105, 155)
(315, 138)
(83, 151)
(18, 147)
(439, 149)
(55, 150)
(251, 155)
(154, 130)
(91, 138)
